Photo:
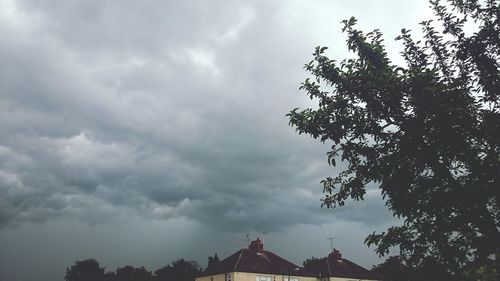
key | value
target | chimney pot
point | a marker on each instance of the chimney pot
(335, 254)
(256, 246)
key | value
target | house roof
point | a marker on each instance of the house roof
(336, 266)
(255, 259)
(393, 267)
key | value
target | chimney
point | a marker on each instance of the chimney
(256, 246)
(335, 254)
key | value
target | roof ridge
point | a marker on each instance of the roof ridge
(238, 261)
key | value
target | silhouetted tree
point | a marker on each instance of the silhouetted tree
(393, 269)
(178, 270)
(310, 261)
(482, 272)
(130, 273)
(86, 270)
(213, 260)
(427, 132)
(109, 276)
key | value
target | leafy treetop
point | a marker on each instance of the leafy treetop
(427, 132)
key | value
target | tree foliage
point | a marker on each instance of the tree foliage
(483, 272)
(213, 260)
(308, 262)
(86, 270)
(89, 270)
(178, 270)
(427, 132)
(393, 269)
(109, 276)
(130, 273)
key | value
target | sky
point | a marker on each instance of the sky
(140, 132)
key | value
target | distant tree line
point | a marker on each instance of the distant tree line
(90, 270)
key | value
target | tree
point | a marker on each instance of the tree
(178, 270)
(483, 272)
(109, 276)
(427, 132)
(86, 270)
(392, 269)
(130, 273)
(308, 262)
(213, 260)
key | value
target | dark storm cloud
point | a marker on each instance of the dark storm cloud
(158, 109)
(139, 132)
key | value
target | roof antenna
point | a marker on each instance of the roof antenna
(331, 241)
(247, 239)
(264, 232)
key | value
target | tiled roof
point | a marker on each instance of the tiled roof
(256, 260)
(336, 266)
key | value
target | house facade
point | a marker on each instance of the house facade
(256, 264)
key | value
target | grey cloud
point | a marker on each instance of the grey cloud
(157, 128)
(176, 114)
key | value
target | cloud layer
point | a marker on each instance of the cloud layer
(167, 112)
(162, 110)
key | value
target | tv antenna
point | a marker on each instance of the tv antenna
(331, 241)
(248, 239)
(263, 233)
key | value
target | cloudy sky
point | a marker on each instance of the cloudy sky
(138, 132)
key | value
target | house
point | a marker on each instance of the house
(335, 268)
(256, 264)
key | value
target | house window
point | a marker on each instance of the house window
(263, 278)
(289, 278)
(228, 276)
